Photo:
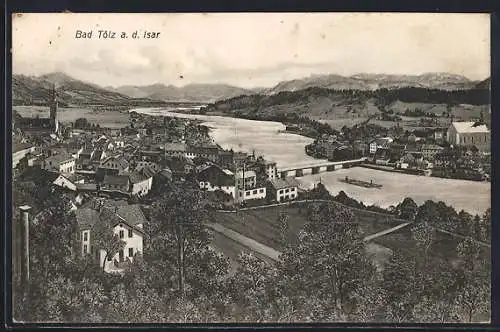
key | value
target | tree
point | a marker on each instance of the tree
(329, 262)
(424, 234)
(407, 209)
(474, 280)
(177, 231)
(486, 225)
(283, 229)
(253, 287)
(402, 287)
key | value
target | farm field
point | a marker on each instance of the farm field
(108, 119)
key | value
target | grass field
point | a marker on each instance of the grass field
(105, 119)
(262, 225)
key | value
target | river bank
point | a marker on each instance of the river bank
(288, 150)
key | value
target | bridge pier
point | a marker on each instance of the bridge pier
(307, 171)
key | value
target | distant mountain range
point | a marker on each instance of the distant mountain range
(214, 92)
(32, 90)
(440, 81)
(29, 90)
(190, 92)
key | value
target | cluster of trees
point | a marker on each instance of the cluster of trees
(441, 216)
(418, 112)
(383, 97)
(83, 123)
(325, 274)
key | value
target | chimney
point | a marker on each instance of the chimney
(25, 247)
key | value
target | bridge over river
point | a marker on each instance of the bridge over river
(298, 171)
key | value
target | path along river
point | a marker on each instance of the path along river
(266, 138)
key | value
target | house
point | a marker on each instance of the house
(176, 150)
(283, 189)
(86, 187)
(410, 160)
(271, 170)
(98, 156)
(205, 151)
(239, 158)
(245, 179)
(439, 135)
(140, 185)
(61, 163)
(213, 178)
(189, 166)
(150, 155)
(429, 151)
(256, 192)
(126, 221)
(141, 181)
(469, 133)
(114, 132)
(117, 164)
(20, 151)
(151, 164)
(382, 156)
(225, 158)
(116, 182)
(68, 181)
(379, 143)
(142, 131)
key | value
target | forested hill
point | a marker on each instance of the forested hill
(37, 90)
(307, 100)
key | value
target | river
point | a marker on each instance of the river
(287, 150)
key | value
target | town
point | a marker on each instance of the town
(118, 175)
(275, 172)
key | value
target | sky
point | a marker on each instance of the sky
(249, 49)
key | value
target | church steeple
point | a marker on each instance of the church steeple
(53, 110)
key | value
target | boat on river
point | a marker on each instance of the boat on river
(360, 183)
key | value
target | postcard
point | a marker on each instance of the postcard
(251, 168)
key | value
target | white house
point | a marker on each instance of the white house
(284, 189)
(68, 181)
(126, 221)
(253, 193)
(212, 178)
(19, 151)
(245, 179)
(271, 170)
(116, 163)
(140, 183)
(379, 143)
(60, 163)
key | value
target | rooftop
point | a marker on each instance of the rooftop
(175, 147)
(287, 182)
(129, 214)
(468, 127)
(115, 179)
(59, 158)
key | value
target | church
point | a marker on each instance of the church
(41, 125)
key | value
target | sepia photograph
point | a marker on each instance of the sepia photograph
(251, 168)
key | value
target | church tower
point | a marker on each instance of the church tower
(53, 111)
